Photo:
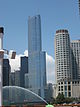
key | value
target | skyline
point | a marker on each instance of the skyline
(53, 17)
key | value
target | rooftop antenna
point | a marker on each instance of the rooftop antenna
(37, 11)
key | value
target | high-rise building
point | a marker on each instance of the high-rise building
(17, 78)
(23, 70)
(63, 66)
(62, 55)
(75, 53)
(37, 58)
(6, 71)
(67, 61)
(34, 34)
(12, 79)
(49, 92)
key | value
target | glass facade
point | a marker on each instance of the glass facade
(75, 54)
(23, 70)
(37, 58)
(34, 34)
(6, 71)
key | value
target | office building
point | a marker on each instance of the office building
(17, 78)
(26, 81)
(75, 54)
(49, 92)
(34, 34)
(37, 58)
(6, 71)
(23, 70)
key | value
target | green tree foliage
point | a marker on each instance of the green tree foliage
(60, 98)
(69, 100)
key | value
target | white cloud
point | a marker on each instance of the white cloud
(50, 67)
(15, 63)
(26, 52)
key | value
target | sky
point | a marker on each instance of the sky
(55, 14)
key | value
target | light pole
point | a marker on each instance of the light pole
(1, 61)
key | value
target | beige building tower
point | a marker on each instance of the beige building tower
(63, 62)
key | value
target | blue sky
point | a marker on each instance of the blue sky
(55, 14)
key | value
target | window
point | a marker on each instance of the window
(69, 94)
(65, 88)
(69, 88)
(65, 94)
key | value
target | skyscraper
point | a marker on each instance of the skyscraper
(6, 71)
(37, 58)
(12, 79)
(23, 70)
(63, 63)
(34, 34)
(75, 53)
(17, 78)
(62, 55)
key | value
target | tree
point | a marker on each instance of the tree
(60, 98)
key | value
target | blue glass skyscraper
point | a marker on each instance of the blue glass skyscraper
(37, 58)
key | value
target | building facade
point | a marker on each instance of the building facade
(6, 72)
(17, 78)
(62, 55)
(37, 58)
(75, 54)
(63, 65)
(23, 70)
(12, 79)
(67, 61)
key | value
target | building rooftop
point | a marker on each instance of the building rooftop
(74, 41)
(1, 30)
(62, 31)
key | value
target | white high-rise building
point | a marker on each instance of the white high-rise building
(67, 62)
(62, 55)
(63, 66)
